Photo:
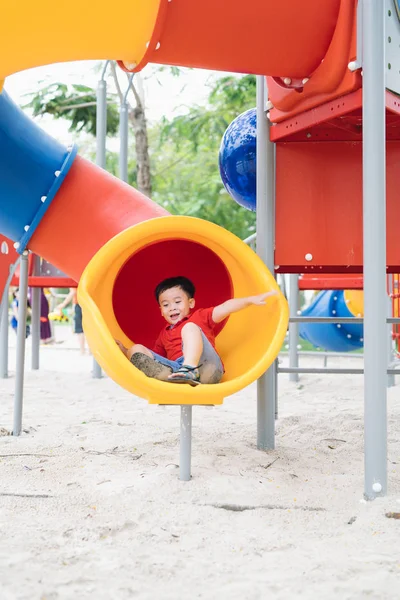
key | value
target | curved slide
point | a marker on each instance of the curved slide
(100, 231)
(335, 337)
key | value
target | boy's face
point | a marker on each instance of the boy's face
(175, 305)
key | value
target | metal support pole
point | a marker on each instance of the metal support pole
(21, 338)
(293, 327)
(266, 389)
(186, 443)
(4, 330)
(374, 233)
(101, 119)
(35, 326)
(123, 141)
(101, 136)
(4, 325)
(124, 133)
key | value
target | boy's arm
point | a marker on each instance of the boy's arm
(225, 309)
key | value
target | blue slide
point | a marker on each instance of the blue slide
(335, 337)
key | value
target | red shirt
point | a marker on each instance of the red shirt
(169, 342)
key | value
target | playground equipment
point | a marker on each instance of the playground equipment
(78, 210)
(237, 162)
(312, 58)
(395, 296)
(237, 159)
(346, 300)
(337, 337)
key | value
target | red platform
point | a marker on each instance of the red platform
(319, 188)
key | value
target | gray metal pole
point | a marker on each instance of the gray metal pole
(266, 389)
(124, 133)
(374, 232)
(35, 327)
(4, 328)
(21, 338)
(4, 335)
(293, 327)
(101, 120)
(391, 382)
(185, 459)
(123, 141)
(101, 137)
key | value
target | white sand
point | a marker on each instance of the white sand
(91, 506)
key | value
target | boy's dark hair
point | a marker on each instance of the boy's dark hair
(182, 282)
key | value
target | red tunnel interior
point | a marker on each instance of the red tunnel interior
(135, 306)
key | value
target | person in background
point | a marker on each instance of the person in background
(45, 329)
(14, 317)
(72, 296)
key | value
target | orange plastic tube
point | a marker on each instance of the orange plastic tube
(267, 37)
(90, 208)
(258, 36)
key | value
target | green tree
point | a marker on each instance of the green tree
(184, 175)
(185, 170)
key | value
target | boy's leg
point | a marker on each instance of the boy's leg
(134, 350)
(192, 344)
(211, 368)
(150, 366)
(143, 359)
(201, 363)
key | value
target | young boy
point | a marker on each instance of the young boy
(185, 349)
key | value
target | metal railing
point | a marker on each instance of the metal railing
(251, 241)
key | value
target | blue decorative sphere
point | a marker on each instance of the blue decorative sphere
(237, 159)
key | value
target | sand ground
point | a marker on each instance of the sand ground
(91, 506)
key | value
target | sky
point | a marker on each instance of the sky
(164, 94)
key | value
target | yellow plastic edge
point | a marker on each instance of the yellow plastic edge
(111, 257)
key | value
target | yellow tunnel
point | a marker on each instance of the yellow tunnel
(116, 294)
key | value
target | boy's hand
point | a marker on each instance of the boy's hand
(260, 300)
(225, 309)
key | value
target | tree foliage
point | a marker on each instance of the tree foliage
(185, 170)
(184, 150)
(76, 103)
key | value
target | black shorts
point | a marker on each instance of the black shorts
(78, 319)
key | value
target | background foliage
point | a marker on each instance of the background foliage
(183, 151)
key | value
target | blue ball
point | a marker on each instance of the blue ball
(237, 159)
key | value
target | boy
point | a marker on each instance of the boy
(185, 349)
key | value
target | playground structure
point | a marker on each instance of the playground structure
(313, 61)
(345, 303)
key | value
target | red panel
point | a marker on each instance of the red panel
(319, 206)
(330, 281)
(135, 306)
(42, 282)
(339, 120)
(7, 258)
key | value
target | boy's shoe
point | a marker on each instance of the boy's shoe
(186, 374)
(150, 367)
